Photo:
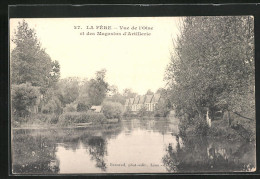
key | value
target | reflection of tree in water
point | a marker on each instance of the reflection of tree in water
(33, 151)
(34, 154)
(197, 155)
(97, 150)
(160, 125)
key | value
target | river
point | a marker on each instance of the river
(131, 146)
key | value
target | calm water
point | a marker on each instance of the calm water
(131, 146)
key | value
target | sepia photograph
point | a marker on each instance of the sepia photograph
(132, 95)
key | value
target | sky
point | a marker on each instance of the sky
(136, 62)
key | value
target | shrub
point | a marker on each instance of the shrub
(142, 111)
(24, 97)
(53, 106)
(47, 118)
(72, 107)
(82, 107)
(70, 118)
(112, 110)
(201, 126)
(183, 125)
(193, 126)
(162, 109)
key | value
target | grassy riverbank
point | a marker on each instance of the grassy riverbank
(65, 120)
(239, 130)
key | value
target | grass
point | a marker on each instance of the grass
(65, 120)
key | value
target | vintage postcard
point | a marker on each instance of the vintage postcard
(132, 95)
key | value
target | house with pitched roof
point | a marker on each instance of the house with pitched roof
(126, 107)
(147, 102)
(155, 100)
(140, 104)
(135, 103)
(130, 104)
(97, 109)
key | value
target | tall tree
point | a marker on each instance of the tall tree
(29, 61)
(128, 93)
(68, 90)
(149, 92)
(212, 65)
(98, 88)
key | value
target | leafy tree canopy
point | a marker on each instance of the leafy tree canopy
(29, 61)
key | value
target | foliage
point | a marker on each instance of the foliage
(116, 98)
(163, 108)
(29, 61)
(72, 107)
(52, 106)
(142, 112)
(82, 107)
(97, 88)
(24, 98)
(112, 110)
(201, 127)
(128, 93)
(70, 118)
(83, 97)
(149, 92)
(68, 90)
(43, 119)
(212, 66)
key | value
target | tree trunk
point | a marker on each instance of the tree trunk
(208, 119)
(229, 120)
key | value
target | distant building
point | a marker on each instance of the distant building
(140, 104)
(127, 101)
(130, 104)
(155, 100)
(148, 101)
(136, 102)
(97, 109)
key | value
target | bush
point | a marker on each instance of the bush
(53, 106)
(201, 127)
(47, 118)
(142, 112)
(193, 126)
(24, 98)
(72, 107)
(82, 107)
(130, 114)
(112, 110)
(70, 118)
(183, 126)
(162, 109)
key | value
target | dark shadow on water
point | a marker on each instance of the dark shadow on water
(34, 155)
(34, 151)
(98, 150)
(199, 154)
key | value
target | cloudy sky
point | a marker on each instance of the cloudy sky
(136, 62)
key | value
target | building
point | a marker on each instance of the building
(97, 109)
(136, 102)
(155, 100)
(130, 104)
(140, 104)
(126, 107)
(148, 101)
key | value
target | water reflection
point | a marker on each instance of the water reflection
(34, 154)
(205, 155)
(152, 144)
(97, 150)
